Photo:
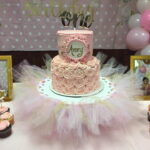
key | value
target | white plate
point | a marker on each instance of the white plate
(82, 95)
(103, 93)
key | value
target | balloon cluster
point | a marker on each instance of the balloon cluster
(138, 38)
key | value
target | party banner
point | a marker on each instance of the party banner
(32, 24)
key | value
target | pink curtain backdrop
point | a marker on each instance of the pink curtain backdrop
(19, 31)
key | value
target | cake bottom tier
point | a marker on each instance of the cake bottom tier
(75, 78)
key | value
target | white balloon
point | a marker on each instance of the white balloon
(146, 50)
(134, 21)
(143, 5)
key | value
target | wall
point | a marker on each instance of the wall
(22, 31)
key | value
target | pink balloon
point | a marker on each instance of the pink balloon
(145, 20)
(137, 39)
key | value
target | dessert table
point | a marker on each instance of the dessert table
(133, 136)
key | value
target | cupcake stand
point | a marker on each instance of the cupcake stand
(52, 114)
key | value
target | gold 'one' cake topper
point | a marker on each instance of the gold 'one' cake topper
(84, 20)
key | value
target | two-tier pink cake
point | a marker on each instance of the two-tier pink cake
(75, 71)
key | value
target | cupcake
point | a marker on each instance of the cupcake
(7, 116)
(4, 109)
(5, 128)
(148, 113)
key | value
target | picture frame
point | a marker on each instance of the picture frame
(140, 65)
(6, 80)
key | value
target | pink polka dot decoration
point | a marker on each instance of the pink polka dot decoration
(20, 31)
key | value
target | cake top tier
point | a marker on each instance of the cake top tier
(75, 32)
(75, 45)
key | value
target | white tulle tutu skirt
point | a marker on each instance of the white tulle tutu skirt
(48, 113)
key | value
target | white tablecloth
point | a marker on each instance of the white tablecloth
(134, 136)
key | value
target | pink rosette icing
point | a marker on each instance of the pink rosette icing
(80, 90)
(79, 73)
(75, 76)
(71, 91)
(79, 83)
(69, 83)
(86, 80)
(60, 71)
(68, 73)
(90, 72)
(4, 124)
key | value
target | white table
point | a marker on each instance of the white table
(135, 136)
